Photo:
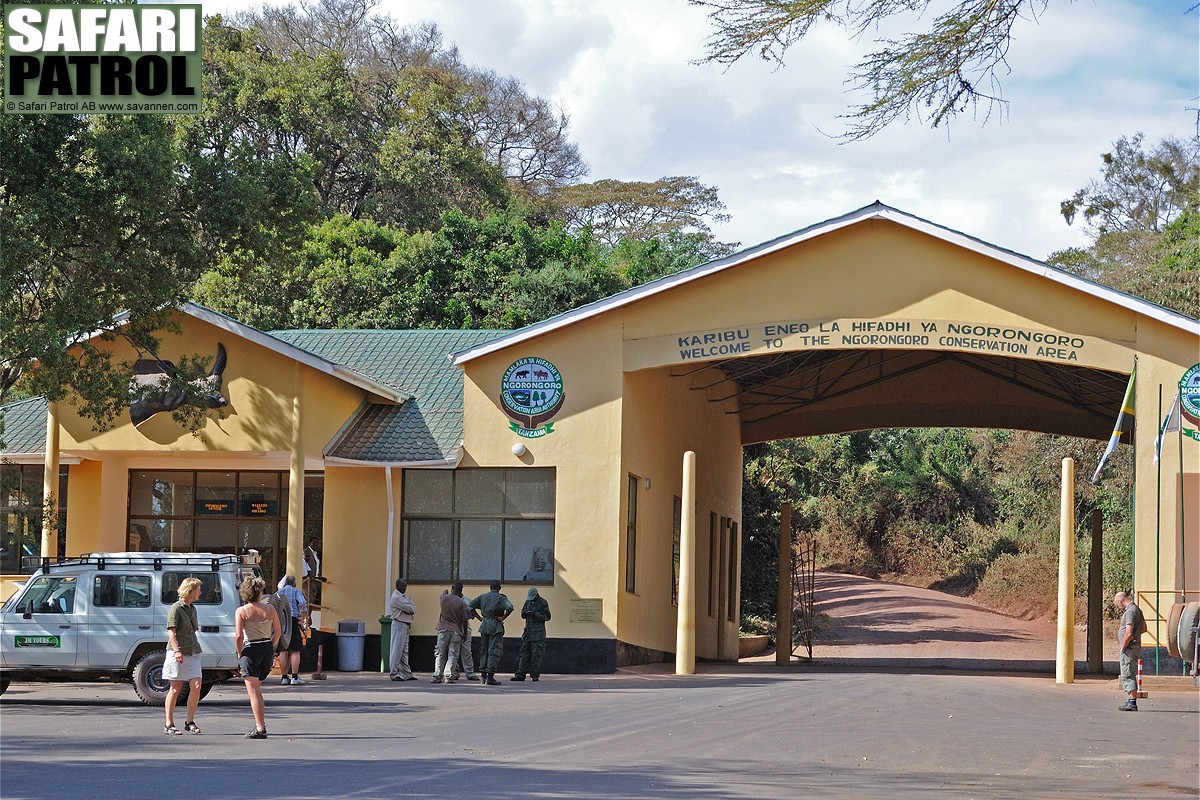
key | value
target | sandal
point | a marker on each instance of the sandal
(256, 734)
(171, 730)
(192, 727)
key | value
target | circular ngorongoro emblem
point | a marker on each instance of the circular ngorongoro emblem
(1189, 393)
(531, 392)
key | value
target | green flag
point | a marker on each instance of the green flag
(1124, 424)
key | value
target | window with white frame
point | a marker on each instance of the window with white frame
(478, 525)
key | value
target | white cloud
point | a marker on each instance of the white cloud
(1083, 75)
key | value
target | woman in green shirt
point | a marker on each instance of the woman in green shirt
(183, 656)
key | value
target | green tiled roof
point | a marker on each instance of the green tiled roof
(427, 428)
(24, 427)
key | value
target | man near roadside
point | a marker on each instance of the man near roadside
(451, 626)
(535, 612)
(494, 608)
(289, 659)
(401, 609)
(1129, 640)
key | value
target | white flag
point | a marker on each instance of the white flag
(1170, 424)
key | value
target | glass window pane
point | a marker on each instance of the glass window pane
(160, 494)
(121, 591)
(428, 491)
(263, 536)
(529, 550)
(479, 549)
(314, 495)
(215, 494)
(161, 535)
(258, 495)
(479, 491)
(210, 587)
(529, 491)
(427, 549)
(216, 536)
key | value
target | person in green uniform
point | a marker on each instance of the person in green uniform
(535, 612)
(494, 608)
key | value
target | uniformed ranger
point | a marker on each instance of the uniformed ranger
(535, 612)
(494, 608)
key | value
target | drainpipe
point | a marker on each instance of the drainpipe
(391, 537)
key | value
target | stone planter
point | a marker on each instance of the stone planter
(749, 646)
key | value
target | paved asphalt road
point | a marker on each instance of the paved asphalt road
(733, 731)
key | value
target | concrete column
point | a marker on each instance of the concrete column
(1064, 663)
(1095, 615)
(783, 594)
(685, 635)
(295, 518)
(50, 484)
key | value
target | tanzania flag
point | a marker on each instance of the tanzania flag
(1124, 424)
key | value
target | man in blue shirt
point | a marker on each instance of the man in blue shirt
(289, 660)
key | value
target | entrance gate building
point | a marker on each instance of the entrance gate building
(551, 456)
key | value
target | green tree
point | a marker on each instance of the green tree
(1142, 215)
(620, 210)
(953, 66)
(97, 238)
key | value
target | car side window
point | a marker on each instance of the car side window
(49, 594)
(121, 591)
(210, 587)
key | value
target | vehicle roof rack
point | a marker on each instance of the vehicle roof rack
(212, 561)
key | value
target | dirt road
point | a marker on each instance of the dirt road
(872, 621)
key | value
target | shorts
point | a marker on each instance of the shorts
(257, 661)
(297, 640)
(186, 670)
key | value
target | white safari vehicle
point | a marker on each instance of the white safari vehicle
(104, 615)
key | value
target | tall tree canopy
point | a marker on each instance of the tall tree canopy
(1143, 215)
(96, 238)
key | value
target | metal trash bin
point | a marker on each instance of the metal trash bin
(351, 635)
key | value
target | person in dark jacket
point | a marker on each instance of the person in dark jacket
(536, 613)
(494, 608)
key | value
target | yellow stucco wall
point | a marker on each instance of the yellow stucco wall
(252, 433)
(1159, 574)
(661, 420)
(584, 450)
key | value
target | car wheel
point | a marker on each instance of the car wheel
(3, 685)
(205, 688)
(148, 679)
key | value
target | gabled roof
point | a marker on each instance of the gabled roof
(427, 430)
(874, 211)
(344, 372)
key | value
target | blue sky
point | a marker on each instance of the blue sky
(1082, 75)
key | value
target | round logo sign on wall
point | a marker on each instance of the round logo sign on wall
(1189, 393)
(531, 393)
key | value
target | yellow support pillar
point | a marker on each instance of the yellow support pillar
(783, 595)
(50, 485)
(685, 634)
(295, 517)
(1064, 663)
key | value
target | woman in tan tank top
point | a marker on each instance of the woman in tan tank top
(255, 632)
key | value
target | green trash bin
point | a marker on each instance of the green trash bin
(385, 642)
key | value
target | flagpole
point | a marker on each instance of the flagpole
(1158, 549)
(1178, 409)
